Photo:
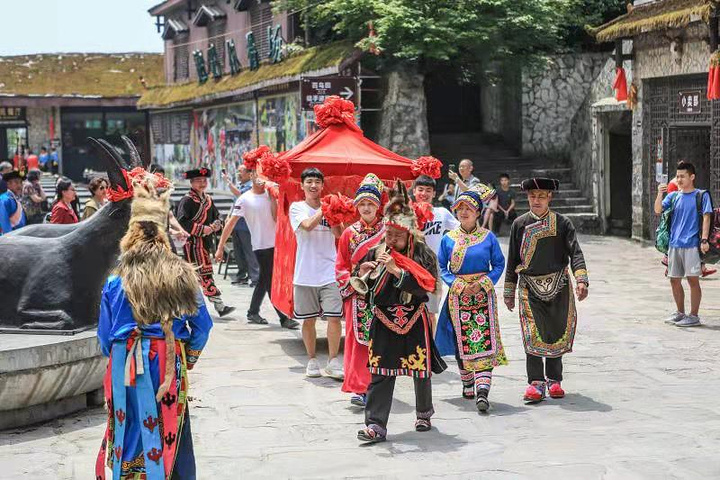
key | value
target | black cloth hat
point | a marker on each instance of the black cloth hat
(198, 172)
(11, 175)
(540, 183)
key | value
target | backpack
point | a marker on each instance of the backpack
(662, 233)
(713, 255)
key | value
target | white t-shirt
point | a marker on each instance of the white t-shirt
(316, 253)
(256, 209)
(434, 230)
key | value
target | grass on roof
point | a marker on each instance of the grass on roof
(107, 75)
(314, 58)
(663, 15)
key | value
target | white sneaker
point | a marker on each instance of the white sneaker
(674, 318)
(313, 368)
(334, 369)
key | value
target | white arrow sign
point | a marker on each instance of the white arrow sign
(347, 93)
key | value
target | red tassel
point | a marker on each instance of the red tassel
(620, 85)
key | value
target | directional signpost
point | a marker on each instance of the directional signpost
(314, 90)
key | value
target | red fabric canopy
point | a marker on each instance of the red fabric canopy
(344, 156)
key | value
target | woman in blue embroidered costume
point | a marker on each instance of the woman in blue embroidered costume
(153, 325)
(471, 262)
(400, 336)
(353, 245)
(542, 244)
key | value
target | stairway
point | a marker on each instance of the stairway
(223, 200)
(491, 157)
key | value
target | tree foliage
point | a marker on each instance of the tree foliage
(430, 33)
(581, 13)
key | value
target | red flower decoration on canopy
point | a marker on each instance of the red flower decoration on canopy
(251, 158)
(335, 110)
(275, 169)
(424, 213)
(426, 165)
(337, 209)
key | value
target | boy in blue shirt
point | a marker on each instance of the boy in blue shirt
(688, 240)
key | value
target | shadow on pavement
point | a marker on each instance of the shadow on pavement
(496, 408)
(432, 441)
(577, 402)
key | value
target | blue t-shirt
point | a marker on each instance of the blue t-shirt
(685, 224)
(44, 157)
(9, 207)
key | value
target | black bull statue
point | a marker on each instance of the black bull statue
(51, 276)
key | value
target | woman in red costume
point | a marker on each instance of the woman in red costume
(354, 243)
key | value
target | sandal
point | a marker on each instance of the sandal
(422, 425)
(368, 435)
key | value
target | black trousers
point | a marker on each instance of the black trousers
(500, 218)
(552, 369)
(264, 284)
(380, 396)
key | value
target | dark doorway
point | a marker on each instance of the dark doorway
(618, 173)
(691, 144)
(620, 184)
(452, 107)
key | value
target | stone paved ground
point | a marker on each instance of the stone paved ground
(642, 402)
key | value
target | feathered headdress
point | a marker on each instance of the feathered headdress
(159, 285)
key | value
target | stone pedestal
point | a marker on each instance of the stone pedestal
(47, 376)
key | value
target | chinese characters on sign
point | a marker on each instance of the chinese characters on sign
(12, 113)
(690, 101)
(314, 91)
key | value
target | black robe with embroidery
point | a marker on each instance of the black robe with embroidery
(538, 256)
(195, 212)
(400, 335)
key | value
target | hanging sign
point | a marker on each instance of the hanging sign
(315, 90)
(12, 114)
(689, 101)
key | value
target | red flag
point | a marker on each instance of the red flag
(52, 127)
(620, 85)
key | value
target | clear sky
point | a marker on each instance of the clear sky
(48, 26)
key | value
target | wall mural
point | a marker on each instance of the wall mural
(280, 126)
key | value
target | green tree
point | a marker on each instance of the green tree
(416, 37)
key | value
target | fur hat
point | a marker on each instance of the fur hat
(399, 212)
(151, 197)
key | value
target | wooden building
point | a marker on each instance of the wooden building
(61, 99)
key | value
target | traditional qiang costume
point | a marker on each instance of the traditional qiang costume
(400, 334)
(153, 325)
(353, 245)
(537, 266)
(196, 211)
(469, 326)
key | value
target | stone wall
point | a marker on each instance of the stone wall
(502, 104)
(38, 120)
(551, 98)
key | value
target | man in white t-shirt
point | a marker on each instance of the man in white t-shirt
(316, 293)
(424, 191)
(259, 209)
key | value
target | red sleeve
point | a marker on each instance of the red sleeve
(343, 263)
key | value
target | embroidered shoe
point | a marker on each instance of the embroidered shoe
(555, 390)
(370, 435)
(224, 311)
(481, 402)
(535, 392)
(468, 390)
(674, 318)
(422, 425)
(358, 399)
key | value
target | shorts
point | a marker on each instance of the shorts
(312, 302)
(684, 262)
